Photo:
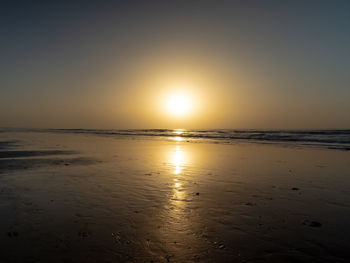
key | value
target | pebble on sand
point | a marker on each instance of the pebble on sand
(312, 223)
(12, 234)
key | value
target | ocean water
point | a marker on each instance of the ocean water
(331, 139)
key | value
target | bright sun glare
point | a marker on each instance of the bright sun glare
(178, 104)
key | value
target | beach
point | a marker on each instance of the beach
(99, 197)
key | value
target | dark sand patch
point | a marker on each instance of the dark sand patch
(34, 163)
(19, 154)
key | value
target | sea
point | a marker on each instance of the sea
(331, 139)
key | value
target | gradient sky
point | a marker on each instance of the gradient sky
(109, 64)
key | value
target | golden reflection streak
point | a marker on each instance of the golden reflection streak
(175, 212)
(178, 159)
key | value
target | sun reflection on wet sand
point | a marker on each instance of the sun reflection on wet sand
(178, 164)
(178, 160)
(178, 192)
(177, 216)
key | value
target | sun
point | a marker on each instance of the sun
(178, 104)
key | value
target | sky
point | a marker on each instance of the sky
(116, 64)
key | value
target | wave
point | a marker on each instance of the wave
(333, 139)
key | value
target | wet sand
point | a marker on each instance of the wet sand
(90, 198)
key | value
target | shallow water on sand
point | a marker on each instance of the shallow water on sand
(89, 198)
